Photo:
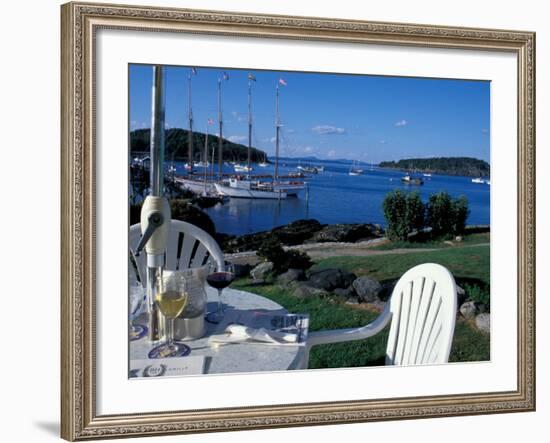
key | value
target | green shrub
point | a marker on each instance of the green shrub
(404, 213)
(272, 251)
(445, 215)
(478, 295)
(461, 213)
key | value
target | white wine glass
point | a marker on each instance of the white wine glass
(171, 298)
(219, 279)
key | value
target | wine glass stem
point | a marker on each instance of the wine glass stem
(170, 331)
(220, 305)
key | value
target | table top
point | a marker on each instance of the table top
(235, 357)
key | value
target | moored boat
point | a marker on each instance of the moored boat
(242, 168)
(355, 169)
(250, 189)
(411, 180)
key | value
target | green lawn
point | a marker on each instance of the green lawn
(467, 240)
(467, 264)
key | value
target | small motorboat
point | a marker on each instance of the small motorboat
(410, 180)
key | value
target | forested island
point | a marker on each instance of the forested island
(176, 141)
(466, 166)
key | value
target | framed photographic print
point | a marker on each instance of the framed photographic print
(283, 221)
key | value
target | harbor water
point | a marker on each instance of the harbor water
(334, 196)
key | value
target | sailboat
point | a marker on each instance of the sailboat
(261, 187)
(193, 182)
(263, 163)
(355, 169)
(242, 168)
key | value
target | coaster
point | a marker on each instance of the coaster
(162, 351)
(137, 332)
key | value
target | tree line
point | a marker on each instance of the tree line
(466, 166)
(176, 142)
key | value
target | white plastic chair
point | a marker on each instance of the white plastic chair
(188, 246)
(422, 311)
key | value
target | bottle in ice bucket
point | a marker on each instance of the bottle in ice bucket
(190, 324)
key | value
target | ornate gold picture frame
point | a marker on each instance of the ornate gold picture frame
(80, 23)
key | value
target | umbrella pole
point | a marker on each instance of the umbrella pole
(155, 212)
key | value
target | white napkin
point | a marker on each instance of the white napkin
(238, 333)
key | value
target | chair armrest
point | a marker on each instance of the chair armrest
(349, 334)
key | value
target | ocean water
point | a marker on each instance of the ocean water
(337, 197)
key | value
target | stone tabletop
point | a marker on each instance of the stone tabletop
(242, 357)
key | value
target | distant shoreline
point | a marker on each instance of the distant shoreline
(454, 166)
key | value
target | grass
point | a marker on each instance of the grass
(467, 264)
(467, 240)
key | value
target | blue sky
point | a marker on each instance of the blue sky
(366, 118)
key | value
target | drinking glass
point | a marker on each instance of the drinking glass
(137, 298)
(171, 299)
(219, 279)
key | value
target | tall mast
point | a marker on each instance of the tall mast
(249, 122)
(277, 128)
(205, 157)
(190, 133)
(220, 143)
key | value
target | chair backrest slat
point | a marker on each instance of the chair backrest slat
(403, 323)
(423, 307)
(199, 256)
(391, 349)
(172, 249)
(187, 248)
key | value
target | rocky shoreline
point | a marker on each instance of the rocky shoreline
(303, 233)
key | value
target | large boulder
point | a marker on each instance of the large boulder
(297, 232)
(483, 322)
(262, 271)
(242, 270)
(460, 295)
(344, 293)
(330, 279)
(367, 289)
(290, 276)
(294, 233)
(345, 233)
(468, 310)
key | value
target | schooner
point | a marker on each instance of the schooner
(260, 187)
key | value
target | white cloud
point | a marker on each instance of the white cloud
(309, 149)
(401, 123)
(331, 153)
(238, 116)
(382, 142)
(327, 130)
(237, 138)
(134, 124)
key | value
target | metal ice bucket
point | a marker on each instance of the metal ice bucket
(190, 323)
